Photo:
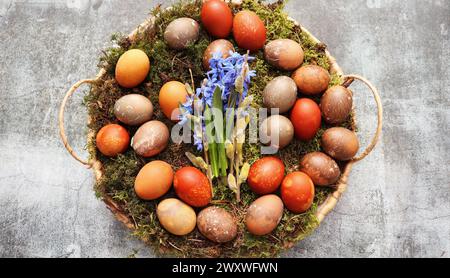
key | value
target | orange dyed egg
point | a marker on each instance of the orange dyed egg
(132, 68)
(172, 94)
(266, 175)
(154, 180)
(192, 186)
(112, 140)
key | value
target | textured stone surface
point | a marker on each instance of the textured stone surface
(397, 204)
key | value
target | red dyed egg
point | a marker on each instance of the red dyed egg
(249, 31)
(297, 192)
(266, 175)
(192, 186)
(112, 140)
(306, 118)
(217, 18)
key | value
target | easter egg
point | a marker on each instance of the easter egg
(280, 93)
(321, 168)
(218, 46)
(171, 95)
(306, 118)
(297, 192)
(266, 175)
(336, 105)
(217, 18)
(340, 143)
(311, 79)
(112, 140)
(182, 32)
(249, 30)
(264, 215)
(176, 217)
(151, 139)
(132, 68)
(192, 186)
(133, 109)
(154, 180)
(277, 131)
(217, 225)
(284, 54)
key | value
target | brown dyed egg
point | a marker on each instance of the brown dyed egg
(176, 217)
(171, 95)
(280, 93)
(132, 68)
(154, 180)
(151, 139)
(340, 143)
(182, 32)
(264, 215)
(222, 46)
(133, 109)
(284, 54)
(321, 168)
(311, 79)
(277, 131)
(336, 105)
(217, 225)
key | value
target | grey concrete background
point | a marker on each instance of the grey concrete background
(398, 201)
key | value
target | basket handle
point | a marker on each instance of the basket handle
(348, 80)
(62, 132)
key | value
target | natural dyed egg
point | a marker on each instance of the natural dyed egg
(192, 186)
(284, 54)
(340, 143)
(217, 225)
(182, 32)
(297, 192)
(112, 140)
(171, 95)
(249, 30)
(132, 68)
(306, 118)
(151, 139)
(277, 131)
(321, 168)
(176, 217)
(264, 215)
(217, 18)
(154, 180)
(133, 109)
(222, 46)
(266, 175)
(311, 79)
(280, 93)
(336, 105)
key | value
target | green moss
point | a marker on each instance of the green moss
(166, 65)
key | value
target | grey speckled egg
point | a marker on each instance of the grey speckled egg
(277, 131)
(217, 224)
(181, 32)
(133, 109)
(280, 93)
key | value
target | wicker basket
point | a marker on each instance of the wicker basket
(324, 209)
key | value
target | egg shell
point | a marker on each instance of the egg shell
(133, 109)
(154, 180)
(217, 225)
(265, 175)
(306, 118)
(340, 143)
(277, 131)
(171, 95)
(311, 79)
(297, 192)
(336, 105)
(264, 215)
(280, 93)
(217, 18)
(222, 46)
(132, 68)
(112, 140)
(176, 217)
(192, 186)
(284, 54)
(182, 32)
(151, 139)
(249, 30)
(321, 168)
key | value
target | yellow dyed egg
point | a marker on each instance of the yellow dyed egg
(176, 217)
(132, 68)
